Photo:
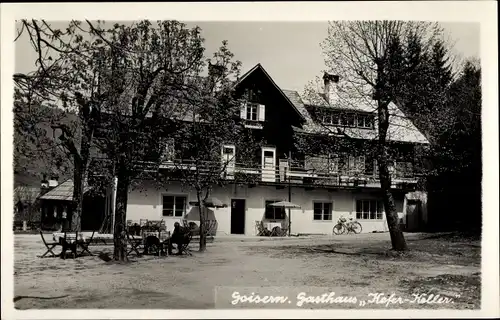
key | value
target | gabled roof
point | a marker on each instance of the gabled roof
(260, 67)
(63, 192)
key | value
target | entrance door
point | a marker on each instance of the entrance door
(238, 216)
(269, 164)
(413, 215)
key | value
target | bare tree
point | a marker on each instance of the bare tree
(211, 120)
(363, 54)
(120, 81)
(145, 79)
(67, 81)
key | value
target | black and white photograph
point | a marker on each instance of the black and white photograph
(176, 163)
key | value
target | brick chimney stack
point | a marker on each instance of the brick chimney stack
(44, 185)
(331, 82)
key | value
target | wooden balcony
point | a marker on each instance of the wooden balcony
(284, 174)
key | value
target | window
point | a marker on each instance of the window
(336, 119)
(359, 120)
(333, 118)
(169, 150)
(327, 119)
(174, 206)
(322, 211)
(252, 111)
(364, 121)
(368, 121)
(369, 209)
(274, 213)
(403, 169)
(357, 164)
(350, 120)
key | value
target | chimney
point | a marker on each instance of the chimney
(331, 82)
(44, 185)
(53, 182)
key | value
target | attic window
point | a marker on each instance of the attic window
(364, 121)
(251, 110)
(348, 119)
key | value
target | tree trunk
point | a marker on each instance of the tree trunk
(203, 238)
(397, 237)
(78, 188)
(119, 236)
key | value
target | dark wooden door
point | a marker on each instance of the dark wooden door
(237, 216)
(413, 215)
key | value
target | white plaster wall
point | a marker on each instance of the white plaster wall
(145, 203)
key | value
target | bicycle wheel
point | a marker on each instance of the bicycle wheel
(338, 229)
(356, 227)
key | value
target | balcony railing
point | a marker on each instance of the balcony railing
(295, 172)
(299, 172)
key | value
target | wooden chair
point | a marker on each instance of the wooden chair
(210, 229)
(84, 244)
(279, 232)
(67, 243)
(185, 247)
(135, 244)
(163, 226)
(50, 247)
(261, 230)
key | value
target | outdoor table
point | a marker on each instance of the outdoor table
(70, 239)
(162, 236)
(272, 225)
(70, 236)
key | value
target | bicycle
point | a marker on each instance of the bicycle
(342, 226)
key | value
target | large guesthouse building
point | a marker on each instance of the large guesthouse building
(326, 183)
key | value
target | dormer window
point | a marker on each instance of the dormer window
(351, 119)
(364, 121)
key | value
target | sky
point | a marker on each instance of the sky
(289, 51)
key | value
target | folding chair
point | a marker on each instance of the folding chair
(278, 232)
(135, 244)
(50, 247)
(261, 230)
(84, 244)
(163, 225)
(210, 229)
(188, 236)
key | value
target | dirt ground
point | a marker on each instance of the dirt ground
(349, 265)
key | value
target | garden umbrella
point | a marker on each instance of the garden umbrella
(211, 202)
(194, 214)
(286, 205)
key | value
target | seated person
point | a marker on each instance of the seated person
(152, 242)
(179, 237)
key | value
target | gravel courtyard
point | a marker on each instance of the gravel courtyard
(349, 265)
